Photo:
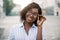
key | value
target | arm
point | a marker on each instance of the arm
(40, 23)
(39, 35)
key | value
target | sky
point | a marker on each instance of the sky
(43, 3)
(22, 3)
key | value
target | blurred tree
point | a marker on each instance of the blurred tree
(7, 6)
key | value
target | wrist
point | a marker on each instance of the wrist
(39, 26)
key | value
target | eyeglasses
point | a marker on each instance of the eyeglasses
(34, 14)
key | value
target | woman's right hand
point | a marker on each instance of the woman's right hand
(40, 20)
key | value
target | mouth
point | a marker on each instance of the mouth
(30, 19)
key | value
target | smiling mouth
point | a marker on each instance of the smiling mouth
(30, 18)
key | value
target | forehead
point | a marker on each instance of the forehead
(34, 10)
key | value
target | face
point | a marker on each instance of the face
(31, 15)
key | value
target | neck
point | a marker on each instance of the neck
(27, 26)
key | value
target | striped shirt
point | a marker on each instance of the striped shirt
(19, 33)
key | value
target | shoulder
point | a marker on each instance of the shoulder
(15, 27)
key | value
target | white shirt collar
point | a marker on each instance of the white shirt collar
(33, 26)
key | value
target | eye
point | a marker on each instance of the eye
(35, 14)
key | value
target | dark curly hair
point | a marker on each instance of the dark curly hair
(27, 8)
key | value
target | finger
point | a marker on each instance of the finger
(42, 17)
(41, 22)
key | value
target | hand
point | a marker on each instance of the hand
(40, 20)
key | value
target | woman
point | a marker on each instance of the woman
(32, 25)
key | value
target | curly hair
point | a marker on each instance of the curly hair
(27, 8)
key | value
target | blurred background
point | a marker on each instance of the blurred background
(9, 16)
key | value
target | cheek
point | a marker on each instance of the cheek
(27, 15)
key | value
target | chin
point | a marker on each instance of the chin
(30, 21)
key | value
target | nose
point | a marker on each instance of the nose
(31, 15)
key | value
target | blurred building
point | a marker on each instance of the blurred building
(57, 8)
(49, 7)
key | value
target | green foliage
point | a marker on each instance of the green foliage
(7, 6)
